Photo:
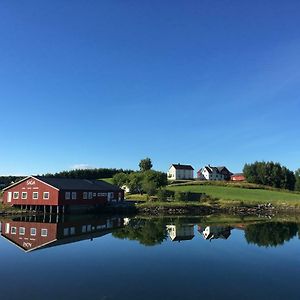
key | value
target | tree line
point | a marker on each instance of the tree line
(272, 174)
(91, 174)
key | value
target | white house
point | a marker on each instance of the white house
(181, 232)
(214, 173)
(180, 172)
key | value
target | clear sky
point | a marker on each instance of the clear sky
(106, 83)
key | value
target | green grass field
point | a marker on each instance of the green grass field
(108, 180)
(229, 194)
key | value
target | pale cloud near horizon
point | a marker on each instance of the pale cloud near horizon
(81, 167)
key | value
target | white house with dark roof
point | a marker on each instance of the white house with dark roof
(214, 173)
(180, 172)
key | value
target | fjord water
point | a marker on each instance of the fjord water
(149, 258)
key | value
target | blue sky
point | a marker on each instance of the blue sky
(106, 83)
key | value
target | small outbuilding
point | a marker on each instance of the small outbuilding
(238, 177)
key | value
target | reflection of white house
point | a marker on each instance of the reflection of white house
(126, 221)
(215, 232)
(214, 173)
(181, 232)
(125, 188)
(180, 172)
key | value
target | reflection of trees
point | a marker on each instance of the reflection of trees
(270, 234)
(147, 232)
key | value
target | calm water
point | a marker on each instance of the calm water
(158, 258)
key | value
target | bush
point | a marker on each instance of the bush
(165, 195)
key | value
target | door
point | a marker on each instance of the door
(9, 194)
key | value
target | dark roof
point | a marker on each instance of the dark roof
(78, 184)
(238, 174)
(182, 167)
(183, 238)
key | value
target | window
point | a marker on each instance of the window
(72, 230)
(13, 230)
(21, 230)
(24, 195)
(66, 231)
(16, 195)
(33, 231)
(67, 195)
(94, 194)
(90, 195)
(85, 195)
(74, 195)
(35, 195)
(46, 195)
(44, 232)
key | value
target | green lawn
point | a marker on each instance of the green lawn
(228, 194)
(108, 180)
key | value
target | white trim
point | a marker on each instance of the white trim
(44, 195)
(35, 193)
(16, 198)
(46, 230)
(29, 250)
(24, 179)
(24, 198)
(31, 231)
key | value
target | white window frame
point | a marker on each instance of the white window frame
(24, 196)
(44, 230)
(85, 195)
(17, 195)
(90, 195)
(74, 195)
(35, 193)
(33, 230)
(13, 230)
(44, 195)
(22, 230)
(67, 195)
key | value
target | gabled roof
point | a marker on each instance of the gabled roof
(72, 184)
(182, 167)
(78, 184)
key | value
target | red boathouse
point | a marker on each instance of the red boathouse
(47, 193)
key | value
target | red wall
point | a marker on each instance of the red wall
(27, 241)
(32, 185)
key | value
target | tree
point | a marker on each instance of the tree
(297, 177)
(120, 179)
(135, 182)
(145, 164)
(271, 174)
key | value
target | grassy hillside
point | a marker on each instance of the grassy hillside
(229, 194)
(109, 180)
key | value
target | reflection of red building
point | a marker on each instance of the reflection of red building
(35, 192)
(29, 235)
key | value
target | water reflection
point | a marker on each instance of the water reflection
(215, 232)
(270, 234)
(32, 233)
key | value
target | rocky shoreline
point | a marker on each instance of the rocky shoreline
(261, 209)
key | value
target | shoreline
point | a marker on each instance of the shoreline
(169, 209)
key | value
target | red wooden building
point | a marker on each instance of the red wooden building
(59, 194)
(238, 177)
